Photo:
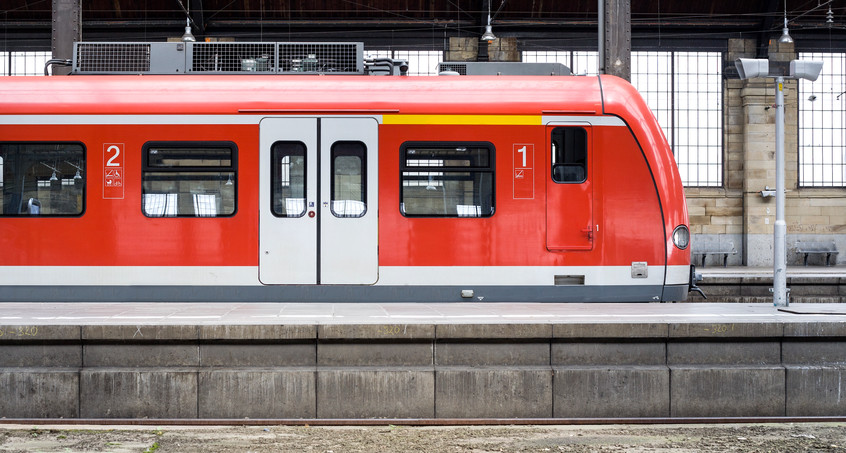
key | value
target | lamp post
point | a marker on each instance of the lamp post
(749, 68)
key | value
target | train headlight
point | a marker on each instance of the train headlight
(681, 237)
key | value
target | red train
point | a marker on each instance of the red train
(337, 188)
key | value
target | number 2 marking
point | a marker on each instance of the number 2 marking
(111, 162)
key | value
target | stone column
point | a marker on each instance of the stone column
(462, 49)
(503, 49)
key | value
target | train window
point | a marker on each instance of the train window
(189, 179)
(569, 154)
(287, 176)
(447, 179)
(42, 179)
(349, 182)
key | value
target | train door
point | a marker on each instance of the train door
(318, 201)
(569, 209)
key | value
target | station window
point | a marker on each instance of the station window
(42, 179)
(288, 182)
(569, 155)
(447, 179)
(822, 123)
(189, 179)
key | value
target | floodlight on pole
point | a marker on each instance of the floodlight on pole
(749, 68)
(808, 70)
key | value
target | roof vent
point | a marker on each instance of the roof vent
(111, 57)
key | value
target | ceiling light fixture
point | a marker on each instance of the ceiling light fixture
(188, 36)
(488, 35)
(785, 36)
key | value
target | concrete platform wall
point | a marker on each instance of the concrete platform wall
(424, 371)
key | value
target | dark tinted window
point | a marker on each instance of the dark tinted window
(569, 154)
(42, 179)
(189, 179)
(288, 181)
(349, 182)
(447, 179)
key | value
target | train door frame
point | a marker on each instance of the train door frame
(570, 222)
(323, 240)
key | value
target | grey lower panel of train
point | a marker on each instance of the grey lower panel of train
(342, 293)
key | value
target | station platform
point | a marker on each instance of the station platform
(806, 284)
(420, 361)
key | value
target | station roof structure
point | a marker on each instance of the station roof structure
(409, 24)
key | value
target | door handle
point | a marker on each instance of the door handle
(589, 232)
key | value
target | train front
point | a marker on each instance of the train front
(621, 99)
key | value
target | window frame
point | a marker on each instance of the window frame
(84, 178)
(490, 168)
(275, 174)
(586, 151)
(334, 154)
(189, 144)
(820, 125)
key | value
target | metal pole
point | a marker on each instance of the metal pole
(601, 31)
(780, 228)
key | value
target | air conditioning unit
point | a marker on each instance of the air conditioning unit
(503, 68)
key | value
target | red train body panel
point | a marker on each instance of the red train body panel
(606, 234)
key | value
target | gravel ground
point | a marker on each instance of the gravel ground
(804, 437)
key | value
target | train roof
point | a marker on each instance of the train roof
(232, 94)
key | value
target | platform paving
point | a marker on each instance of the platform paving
(109, 320)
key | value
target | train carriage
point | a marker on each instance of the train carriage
(210, 188)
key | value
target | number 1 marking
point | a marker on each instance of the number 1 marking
(523, 150)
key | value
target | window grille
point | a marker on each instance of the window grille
(27, 63)
(685, 93)
(822, 123)
(579, 62)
